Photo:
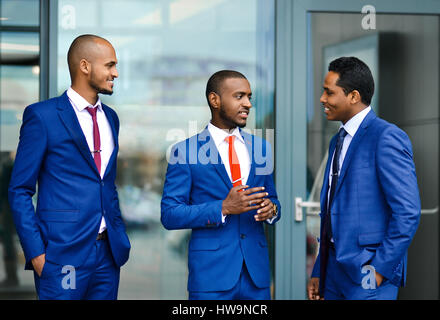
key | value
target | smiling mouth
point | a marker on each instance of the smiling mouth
(244, 113)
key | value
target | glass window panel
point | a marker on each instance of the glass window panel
(403, 54)
(19, 82)
(19, 87)
(167, 50)
(20, 13)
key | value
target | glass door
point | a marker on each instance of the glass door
(401, 46)
(403, 54)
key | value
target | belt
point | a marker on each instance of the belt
(102, 235)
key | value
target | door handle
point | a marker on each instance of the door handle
(299, 204)
(429, 211)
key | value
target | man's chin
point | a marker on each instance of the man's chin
(241, 125)
(106, 92)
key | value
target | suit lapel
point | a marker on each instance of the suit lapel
(355, 143)
(115, 137)
(70, 121)
(325, 184)
(206, 144)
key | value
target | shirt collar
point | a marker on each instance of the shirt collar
(219, 135)
(352, 125)
(79, 103)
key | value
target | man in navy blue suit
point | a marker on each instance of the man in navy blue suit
(370, 204)
(219, 184)
(75, 239)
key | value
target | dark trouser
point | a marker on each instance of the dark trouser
(339, 286)
(244, 289)
(96, 279)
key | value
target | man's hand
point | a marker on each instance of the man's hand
(38, 263)
(240, 200)
(266, 211)
(313, 289)
(379, 279)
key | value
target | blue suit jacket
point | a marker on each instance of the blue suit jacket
(72, 197)
(195, 186)
(376, 206)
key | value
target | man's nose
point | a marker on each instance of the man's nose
(248, 103)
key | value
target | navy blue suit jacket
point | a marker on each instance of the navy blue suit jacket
(195, 186)
(72, 197)
(376, 206)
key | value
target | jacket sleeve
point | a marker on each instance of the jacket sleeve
(270, 188)
(316, 268)
(398, 180)
(30, 154)
(176, 210)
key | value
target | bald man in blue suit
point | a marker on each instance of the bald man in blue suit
(75, 239)
(370, 204)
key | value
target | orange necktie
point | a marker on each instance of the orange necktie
(234, 164)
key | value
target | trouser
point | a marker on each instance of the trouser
(244, 289)
(339, 286)
(96, 279)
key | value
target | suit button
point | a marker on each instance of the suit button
(102, 183)
(242, 236)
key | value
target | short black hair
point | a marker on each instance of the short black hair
(354, 74)
(216, 80)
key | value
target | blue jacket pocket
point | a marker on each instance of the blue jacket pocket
(59, 215)
(371, 238)
(204, 244)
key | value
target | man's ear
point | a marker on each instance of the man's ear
(84, 66)
(355, 97)
(214, 100)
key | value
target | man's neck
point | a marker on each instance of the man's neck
(88, 94)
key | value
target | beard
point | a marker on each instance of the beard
(95, 85)
(228, 121)
(100, 89)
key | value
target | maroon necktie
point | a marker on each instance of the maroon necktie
(96, 139)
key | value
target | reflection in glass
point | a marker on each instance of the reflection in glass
(166, 52)
(20, 13)
(19, 87)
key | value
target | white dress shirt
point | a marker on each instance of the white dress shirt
(351, 126)
(219, 136)
(105, 132)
